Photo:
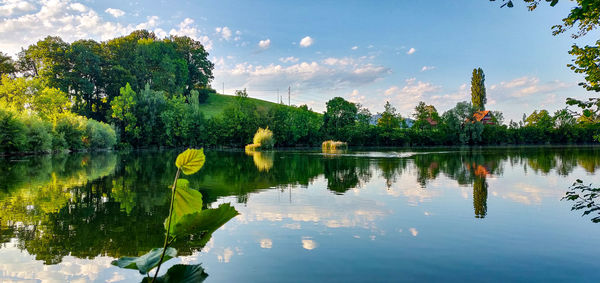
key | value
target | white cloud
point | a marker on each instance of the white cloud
(410, 51)
(266, 243)
(307, 79)
(354, 47)
(410, 94)
(78, 7)
(356, 97)
(527, 86)
(187, 28)
(264, 44)
(306, 41)
(9, 8)
(290, 59)
(224, 32)
(309, 244)
(115, 12)
(24, 24)
(427, 68)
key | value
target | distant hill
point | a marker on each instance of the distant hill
(216, 103)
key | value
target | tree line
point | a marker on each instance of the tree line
(60, 95)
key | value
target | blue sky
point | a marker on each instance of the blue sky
(364, 51)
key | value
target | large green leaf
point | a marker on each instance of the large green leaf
(190, 161)
(205, 221)
(146, 262)
(181, 273)
(187, 201)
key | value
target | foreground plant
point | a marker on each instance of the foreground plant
(584, 197)
(186, 217)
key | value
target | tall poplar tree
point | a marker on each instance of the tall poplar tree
(478, 96)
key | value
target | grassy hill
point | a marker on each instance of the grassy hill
(216, 103)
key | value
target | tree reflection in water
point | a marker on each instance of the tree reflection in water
(87, 205)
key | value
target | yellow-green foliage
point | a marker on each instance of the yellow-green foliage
(252, 147)
(263, 139)
(262, 160)
(334, 145)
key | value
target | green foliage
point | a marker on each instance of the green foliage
(203, 93)
(340, 116)
(294, 126)
(333, 145)
(123, 110)
(190, 161)
(389, 119)
(12, 132)
(99, 135)
(264, 138)
(478, 95)
(38, 134)
(586, 62)
(186, 201)
(93, 72)
(204, 221)
(426, 116)
(7, 66)
(181, 273)
(540, 119)
(185, 217)
(585, 198)
(72, 128)
(146, 262)
(25, 94)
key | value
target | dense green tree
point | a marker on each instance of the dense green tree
(7, 66)
(123, 111)
(48, 60)
(340, 114)
(199, 67)
(29, 95)
(478, 94)
(389, 118)
(459, 125)
(426, 116)
(541, 119)
(86, 83)
(92, 73)
(151, 104)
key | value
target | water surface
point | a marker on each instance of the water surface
(452, 215)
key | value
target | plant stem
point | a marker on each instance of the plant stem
(168, 224)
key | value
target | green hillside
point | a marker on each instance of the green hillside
(216, 103)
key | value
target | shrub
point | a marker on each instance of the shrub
(38, 134)
(99, 135)
(334, 145)
(72, 128)
(263, 139)
(12, 132)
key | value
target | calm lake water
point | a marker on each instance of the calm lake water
(448, 215)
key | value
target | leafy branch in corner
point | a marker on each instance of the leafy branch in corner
(584, 197)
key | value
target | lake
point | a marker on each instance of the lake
(476, 214)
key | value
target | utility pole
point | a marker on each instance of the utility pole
(223, 88)
(289, 90)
